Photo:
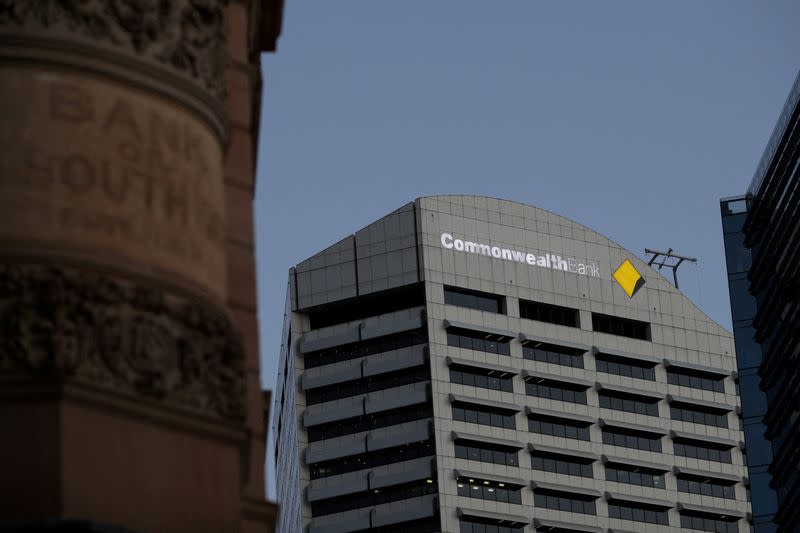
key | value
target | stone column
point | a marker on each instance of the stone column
(123, 368)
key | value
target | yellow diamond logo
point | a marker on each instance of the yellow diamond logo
(628, 278)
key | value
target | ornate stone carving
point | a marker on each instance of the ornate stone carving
(81, 326)
(188, 35)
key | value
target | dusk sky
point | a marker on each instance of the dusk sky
(604, 112)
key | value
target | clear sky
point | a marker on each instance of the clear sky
(630, 117)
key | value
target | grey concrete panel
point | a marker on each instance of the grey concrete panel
(322, 413)
(627, 461)
(500, 517)
(416, 431)
(397, 397)
(692, 366)
(328, 337)
(490, 403)
(394, 360)
(404, 510)
(405, 320)
(552, 524)
(343, 446)
(321, 376)
(329, 487)
(354, 520)
(397, 473)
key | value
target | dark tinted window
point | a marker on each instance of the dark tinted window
(364, 348)
(488, 490)
(697, 414)
(373, 497)
(485, 415)
(706, 486)
(686, 377)
(631, 439)
(556, 390)
(563, 501)
(367, 422)
(635, 475)
(706, 451)
(709, 522)
(483, 301)
(562, 464)
(481, 377)
(553, 354)
(386, 456)
(478, 525)
(630, 403)
(625, 366)
(487, 453)
(554, 314)
(624, 327)
(368, 384)
(477, 340)
(638, 512)
(558, 427)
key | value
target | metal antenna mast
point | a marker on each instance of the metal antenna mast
(669, 260)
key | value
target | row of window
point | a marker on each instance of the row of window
(480, 377)
(562, 464)
(476, 340)
(346, 352)
(361, 423)
(475, 525)
(705, 522)
(695, 379)
(352, 463)
(368, 384)
(707, 487)
(556, 390)
(632, 439)
(625, 366)
(637, 512)
(488, 453)
(704, 451)
(629, 403)
(699, 415)
(552, 353)
(559, 427)
(484, 415)
(373, 497)
(568, 502)
(489, 490)
(542, 312)
(634, 475)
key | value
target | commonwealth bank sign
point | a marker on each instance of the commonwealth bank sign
(546, 260)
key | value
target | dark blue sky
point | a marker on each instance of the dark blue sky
(630, 117)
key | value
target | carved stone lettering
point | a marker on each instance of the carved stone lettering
(121, 175)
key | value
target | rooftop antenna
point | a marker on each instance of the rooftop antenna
(669, 260)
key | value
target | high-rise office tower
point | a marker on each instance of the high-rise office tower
(468, 364)
(762, 245)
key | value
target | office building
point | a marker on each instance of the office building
(469, 364)
(762, 246)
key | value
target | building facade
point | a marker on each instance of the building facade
(130, 395)
(762, 246)
(469, 364)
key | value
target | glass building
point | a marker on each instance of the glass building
(468, 364)
(762, 246)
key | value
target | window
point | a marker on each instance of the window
(481, 377)
(484, 415)
(699, 415)
(357, 424)
(558, 427)
(627, 438)
(695, 379)
(373, 497)
(635, 475)
(480, 525)
(630, 403)
(368, 384)
(706, 486)
(623, 327)
(709, 522)
(554, 314)
(487, 453)
(706, 451)
(638, 512)
(489, 490)
(552, 353)
(562, 464)
(354, 350)
(478, 340)
(482, 301)
(569, 502)
(556, 390)
(386, 456)
(625, 366)
(367, 305)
